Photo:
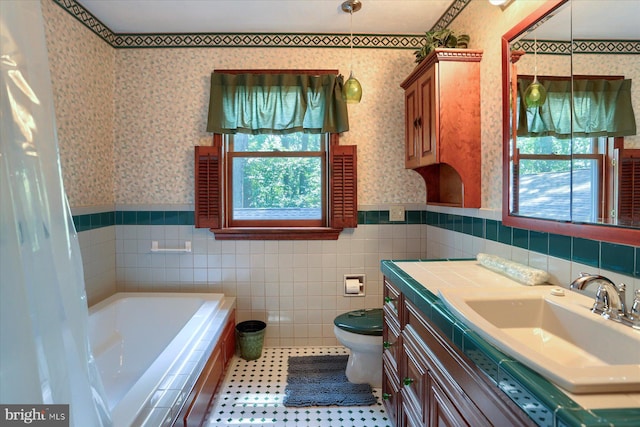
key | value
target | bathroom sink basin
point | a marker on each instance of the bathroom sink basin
(555, 335)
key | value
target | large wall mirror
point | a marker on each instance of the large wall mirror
(571, 101)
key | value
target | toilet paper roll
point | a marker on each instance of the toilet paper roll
(352, 286)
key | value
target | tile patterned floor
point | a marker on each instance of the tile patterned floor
(252, 393)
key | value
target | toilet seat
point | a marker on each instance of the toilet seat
(362, 322)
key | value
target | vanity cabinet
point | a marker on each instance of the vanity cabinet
(442, 126)
(427, 381)
(392, 348)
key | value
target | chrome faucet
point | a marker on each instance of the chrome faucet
(610, 299)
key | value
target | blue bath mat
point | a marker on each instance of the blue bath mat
(321, 381)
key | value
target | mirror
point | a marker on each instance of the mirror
(571, 153)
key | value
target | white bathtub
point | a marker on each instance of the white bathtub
(150, 349)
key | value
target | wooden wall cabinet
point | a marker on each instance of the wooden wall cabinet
(427, 381)
(442, 126)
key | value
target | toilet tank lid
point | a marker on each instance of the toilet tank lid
(363, 322)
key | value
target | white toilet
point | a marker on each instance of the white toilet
(361, 332)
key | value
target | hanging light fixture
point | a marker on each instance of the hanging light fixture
(536, 94)
(351, 90)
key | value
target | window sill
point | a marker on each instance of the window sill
(281, 233)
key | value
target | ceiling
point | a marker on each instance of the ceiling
(266, 16)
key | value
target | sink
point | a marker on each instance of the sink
(553, 332)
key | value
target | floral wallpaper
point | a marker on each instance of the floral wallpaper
(161, 101)
(473, 20)
(128, 118)
(82, 70)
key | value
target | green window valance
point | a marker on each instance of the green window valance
(601, 107)
(276, 103)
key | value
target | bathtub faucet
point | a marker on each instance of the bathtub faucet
(610, 299)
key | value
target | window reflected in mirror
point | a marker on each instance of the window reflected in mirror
(572, 159)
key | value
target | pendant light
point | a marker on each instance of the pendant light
(351, 90)
(536, 94)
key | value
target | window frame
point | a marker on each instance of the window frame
(605, 207)
(323, 154)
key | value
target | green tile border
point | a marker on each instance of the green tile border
(622, 259)
(541, 400)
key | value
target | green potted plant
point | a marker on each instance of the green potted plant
(441, 38)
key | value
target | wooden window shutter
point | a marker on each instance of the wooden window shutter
(629, 188)
(343, 181)
(208, 186)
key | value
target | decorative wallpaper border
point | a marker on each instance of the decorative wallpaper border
(609, 256)
(85, 17)
(450, 14)
(377, 41)
(551, 47)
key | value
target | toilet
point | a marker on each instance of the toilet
(361, 332)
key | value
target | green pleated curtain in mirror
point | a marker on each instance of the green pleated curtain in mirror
(601, 108)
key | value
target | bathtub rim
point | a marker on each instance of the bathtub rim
(136, 405)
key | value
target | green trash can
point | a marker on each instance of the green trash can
(250, 337)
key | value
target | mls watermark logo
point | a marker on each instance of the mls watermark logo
(36, 415)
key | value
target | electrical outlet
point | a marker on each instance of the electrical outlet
(396, 213)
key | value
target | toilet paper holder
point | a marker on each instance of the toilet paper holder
(354, 285)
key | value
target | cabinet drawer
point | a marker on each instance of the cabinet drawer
(392, 346)
(392, 302)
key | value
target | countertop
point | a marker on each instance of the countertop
(420, 281)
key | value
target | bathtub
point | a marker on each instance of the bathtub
(150, 349)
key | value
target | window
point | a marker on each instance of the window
(560, 179)
(213, 206)
(564, 156)
(277, 180)
(276, 169)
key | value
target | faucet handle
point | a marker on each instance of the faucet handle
(609, 302)
(622, 294)
(635, 308)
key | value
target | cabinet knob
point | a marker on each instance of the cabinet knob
(408, 381)
(388, 299)
(419, 120)
(386, 344)
(386, 396)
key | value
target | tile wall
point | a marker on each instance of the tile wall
(297, 286)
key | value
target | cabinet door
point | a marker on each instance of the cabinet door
(442, 411)
(428, 118)
(411, 129)
(391, 397)
(414, 376)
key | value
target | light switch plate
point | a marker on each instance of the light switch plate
(396, 213)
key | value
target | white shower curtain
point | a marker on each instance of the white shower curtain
(45, 357)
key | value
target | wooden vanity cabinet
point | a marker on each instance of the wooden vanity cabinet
(442, 126)
(392, 349)
(438, 385)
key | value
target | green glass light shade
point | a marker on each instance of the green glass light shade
(351, 90)
(535, 95)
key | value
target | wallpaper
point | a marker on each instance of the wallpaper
(82, 70)
(128, 118)
(473, 21)
(161, 101)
